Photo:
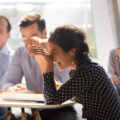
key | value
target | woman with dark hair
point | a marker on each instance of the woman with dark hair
(89, 83)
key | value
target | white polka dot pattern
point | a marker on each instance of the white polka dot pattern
(92, 88)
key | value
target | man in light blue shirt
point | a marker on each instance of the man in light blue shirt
(5, 53)
(22, 64)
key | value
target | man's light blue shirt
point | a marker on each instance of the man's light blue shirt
(23, 64)
(6, 54)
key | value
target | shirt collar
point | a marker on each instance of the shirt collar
(5, 49)
(82, 61)
(85, 59)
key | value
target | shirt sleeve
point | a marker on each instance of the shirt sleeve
(14, 72)
(68, 90)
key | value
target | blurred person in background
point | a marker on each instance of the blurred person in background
(114, 67)
(6, 54)
(32, 67)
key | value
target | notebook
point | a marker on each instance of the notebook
(23, 95)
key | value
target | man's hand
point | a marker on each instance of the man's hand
(16, 88)
(118, 52)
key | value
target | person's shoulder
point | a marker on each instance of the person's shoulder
(96, 64)
(90, 65)
(21, 49)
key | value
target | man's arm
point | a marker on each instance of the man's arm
(14, 72)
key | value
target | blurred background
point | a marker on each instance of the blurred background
(98, 18)
(55, 13)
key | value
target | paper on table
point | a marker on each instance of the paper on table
(29, 104)
(28, 96)
(22, 95)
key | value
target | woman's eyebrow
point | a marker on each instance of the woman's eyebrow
(33, 35)
(53, 50)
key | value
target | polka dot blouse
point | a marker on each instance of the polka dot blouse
(91, 86)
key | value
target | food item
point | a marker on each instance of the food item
(39, 39)
(40, 42)
(44, 40)
(58, 84)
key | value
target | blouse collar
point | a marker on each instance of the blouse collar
(85, 59)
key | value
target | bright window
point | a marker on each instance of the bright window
(76, 12)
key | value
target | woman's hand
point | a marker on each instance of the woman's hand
(39, 42)
(36, 41)
(37, 50)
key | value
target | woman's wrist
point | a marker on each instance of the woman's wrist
(49, 67)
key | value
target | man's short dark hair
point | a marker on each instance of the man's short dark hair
(6, 19)
(31, 18)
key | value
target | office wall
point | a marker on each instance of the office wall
(103, 30)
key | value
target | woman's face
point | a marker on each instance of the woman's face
(63, 59)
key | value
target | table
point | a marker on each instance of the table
(29, 104)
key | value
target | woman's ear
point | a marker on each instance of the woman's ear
(72, 51)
